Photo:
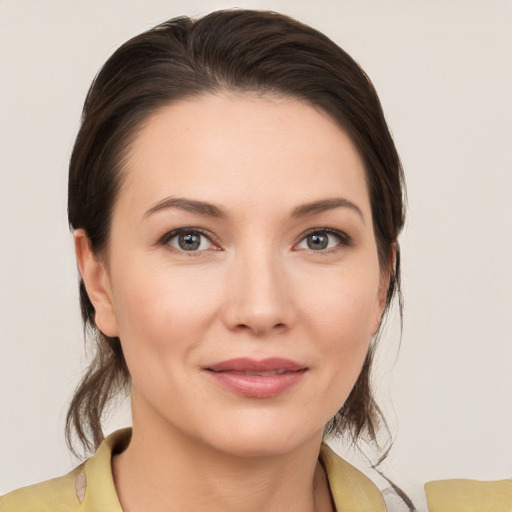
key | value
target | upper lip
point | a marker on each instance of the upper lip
(242, 364)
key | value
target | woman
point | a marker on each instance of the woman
(236, 199)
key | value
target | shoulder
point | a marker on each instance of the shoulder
(88, 488)
(56, 495)
(461, 495)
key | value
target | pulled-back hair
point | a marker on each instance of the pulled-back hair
(235, 50)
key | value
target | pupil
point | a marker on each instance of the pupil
(189, 242)
(317, 242)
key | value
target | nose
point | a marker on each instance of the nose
(258, 296)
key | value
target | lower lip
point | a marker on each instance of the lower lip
(257, 386)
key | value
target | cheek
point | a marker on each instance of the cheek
(163, 318)
(344, 307)
(163, 309)
(341, 318)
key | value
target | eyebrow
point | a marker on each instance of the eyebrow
(188, 205)
(326, 205)
(211, 210)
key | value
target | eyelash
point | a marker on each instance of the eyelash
(343, 239)
(185, 231)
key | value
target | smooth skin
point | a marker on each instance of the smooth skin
(243, 229)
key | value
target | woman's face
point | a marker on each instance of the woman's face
(242, 274)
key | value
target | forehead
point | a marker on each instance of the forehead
(229, 148)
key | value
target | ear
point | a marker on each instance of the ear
(382, 294)
(97, 283)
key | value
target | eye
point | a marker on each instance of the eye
(188, 240)
(321, 240)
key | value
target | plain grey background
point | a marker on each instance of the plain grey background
(443, 72)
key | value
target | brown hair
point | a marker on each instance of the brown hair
(238, 50)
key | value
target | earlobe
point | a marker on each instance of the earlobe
(385, 280)
(380, 305)
(97, 283)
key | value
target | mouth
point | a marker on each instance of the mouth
(265, 378)
(254, 373)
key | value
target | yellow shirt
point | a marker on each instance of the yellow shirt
(90, 488)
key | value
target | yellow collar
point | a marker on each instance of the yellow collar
(100, 492)
(351, 490)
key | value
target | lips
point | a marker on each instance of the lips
(257, 378)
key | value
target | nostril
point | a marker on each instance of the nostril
(260, 327)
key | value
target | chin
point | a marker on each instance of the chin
(263, 440)
(256, 447)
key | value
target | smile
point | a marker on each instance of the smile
(257, 379)
(260, 374)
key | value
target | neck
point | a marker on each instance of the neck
(164, 469)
